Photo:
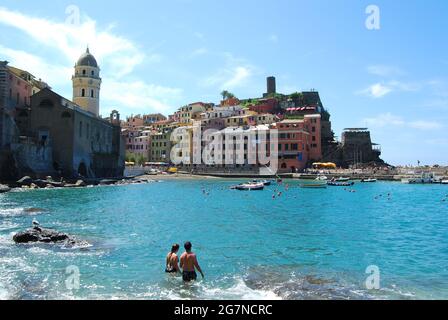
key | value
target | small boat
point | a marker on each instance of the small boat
(249, 187)
(340, 184)
(369, 180)
(425, 178)
(264, 182)
(321, 185)
(342, 179)
(444, 182)
(322, 178)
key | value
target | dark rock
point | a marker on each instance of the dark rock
(4, 189)
(25, 181)
(38, 234)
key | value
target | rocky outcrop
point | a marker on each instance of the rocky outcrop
(25, 181)
(4, 189)
(38, 234)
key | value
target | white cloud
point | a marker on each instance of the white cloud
(425, 125)
(379, 90)
(117, 56)
(198, 52)
(72, 39)
(384, 71)
(389, 120)
(383, 120)
(55, 75)
(236, 73)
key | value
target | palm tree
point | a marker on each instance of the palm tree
(227, 95)
(224, 94)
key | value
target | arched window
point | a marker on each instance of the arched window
(91, 93)
(93, 73)
(83, 92)
(83, 72)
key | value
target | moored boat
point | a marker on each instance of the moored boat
(425, 178)
(320, 185)
(369, 180)
(444, 182)
(340, 184)
(264, 182)
(249, 187)
(342, 179)
(322, 178)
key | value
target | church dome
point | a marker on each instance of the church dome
(87, 59)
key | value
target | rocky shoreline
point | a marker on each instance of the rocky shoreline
(49, 183)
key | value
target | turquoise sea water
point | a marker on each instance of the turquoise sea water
(306, 244)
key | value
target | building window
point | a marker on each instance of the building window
(80, 129)
(18, 98)
(83, 92)
(83, 72)
(91, 93)
(93, 73)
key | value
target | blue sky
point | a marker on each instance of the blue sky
(159, 55)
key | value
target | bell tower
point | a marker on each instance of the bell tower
(87, 83)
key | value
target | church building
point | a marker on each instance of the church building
(70, 136)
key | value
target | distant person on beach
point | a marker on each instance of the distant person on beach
(189, 264)
(172, 260)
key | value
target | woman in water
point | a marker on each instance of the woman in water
(172, 260)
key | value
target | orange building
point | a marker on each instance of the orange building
(299, 142)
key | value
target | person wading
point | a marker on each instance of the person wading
(189, 264)
(172, 260)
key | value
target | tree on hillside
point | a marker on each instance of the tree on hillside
(227, 95)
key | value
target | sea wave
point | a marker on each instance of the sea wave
(20, 211)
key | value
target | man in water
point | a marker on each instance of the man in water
(189, 263)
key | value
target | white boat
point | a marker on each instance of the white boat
(249, 187)
(425, 178)
(342, 179)
(444, 182)
(369, 180)
(322, 178)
